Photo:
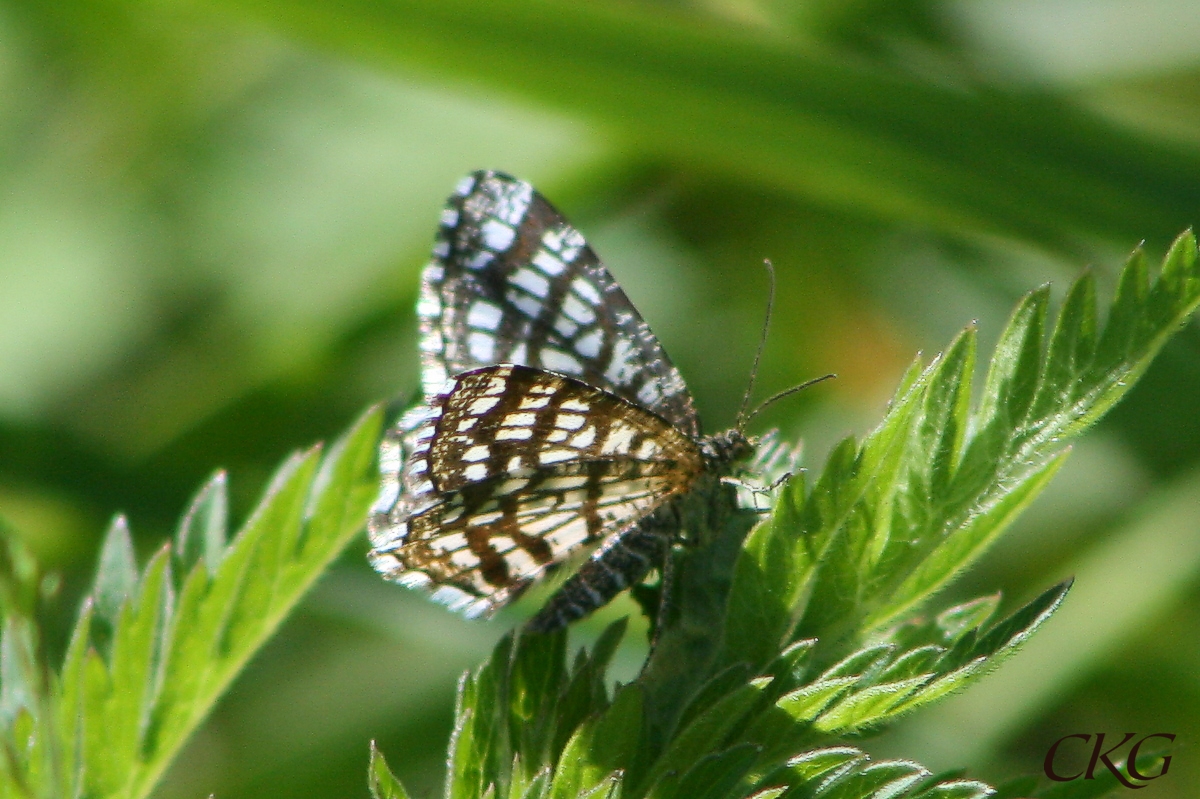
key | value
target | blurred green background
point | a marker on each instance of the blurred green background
(213, 215)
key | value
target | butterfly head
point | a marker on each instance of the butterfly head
(722, 449)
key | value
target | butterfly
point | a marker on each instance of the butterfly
(552, 420)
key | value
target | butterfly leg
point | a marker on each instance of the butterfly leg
(620, 563)
(664, 592)
(756, 491)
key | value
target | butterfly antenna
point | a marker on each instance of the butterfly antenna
(742, 417)
(787, 392)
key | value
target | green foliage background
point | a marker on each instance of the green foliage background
(213, 215)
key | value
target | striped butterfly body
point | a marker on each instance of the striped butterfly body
(552, 420)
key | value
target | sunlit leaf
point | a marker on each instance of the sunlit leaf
(382, 782)
(150, 656)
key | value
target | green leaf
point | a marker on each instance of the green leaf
(946, 628)
(789, 666)
(959, 478)
(944, 417)
(719, 687)
(966, 543)
(957, 789)
(608, 788)
(537, 681)
(805, 704)
(849, 773)
(975, 654)
(536, 788)
(586, 694)
(149, 656)
(1014, 374)
(133, 677)
(713, 777)
(879, 682)
(1010, 633)
(601, 746)
(766, 601)
(769, 793)
(811, 767)
(707, 733)
(1072, 345)
(957, 621)
(770, 557)
(116, 580)
(606, 645)
(20, 688)
(464, 779)
(382, 782)
(868, 706)
(479, 746)
(912, 662)
(884, 778)
(202, 530)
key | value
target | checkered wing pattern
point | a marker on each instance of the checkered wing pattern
(510, 470)
(511, 281)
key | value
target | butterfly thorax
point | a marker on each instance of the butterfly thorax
(721, 450)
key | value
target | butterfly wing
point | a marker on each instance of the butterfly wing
(511, 281)
(512, 469)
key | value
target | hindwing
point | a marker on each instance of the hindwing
(513, 469)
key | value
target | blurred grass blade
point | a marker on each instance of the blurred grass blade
(759, 106)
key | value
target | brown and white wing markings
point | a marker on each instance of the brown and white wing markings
(511, 281)
(552, 418)
(512, 470)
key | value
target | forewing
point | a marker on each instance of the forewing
(502, 420)
(511, 281)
